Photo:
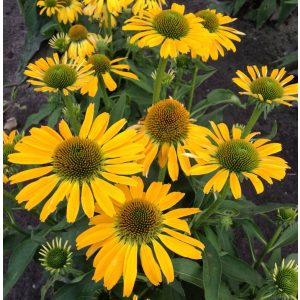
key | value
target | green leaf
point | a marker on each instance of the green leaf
(238, 4)
(273, 131)
(54, 117)
(188, 270)
(212, 271)
(287, 237)
(286, 8)
(265, 11)
(172, 291)
(19, 260)
(289, 59)
(239, 270)
(84, 289)
(118, 110)
(252, 230)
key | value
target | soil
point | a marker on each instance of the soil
(260, 47)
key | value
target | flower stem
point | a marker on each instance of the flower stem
(252, 121)
(178, 79)
(68, 100)
(192, 91)
(214, 206)
(162, 174)
(159, 76)
(106, 99)
(269, 246)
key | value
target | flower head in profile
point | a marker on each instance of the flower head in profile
(50, 7)
(103, 67)
(167, 133)
(56, 257)
(9, 141)
(60, 42)
(69, 11)
(231, 157)
(170, 29)
(140, 227)
(222, 37)
(267, 89)
(79, 167)
(58, 75)
(82, 42)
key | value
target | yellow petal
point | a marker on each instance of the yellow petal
(30, 174)
(87, 123)
(73, 203)
(235, 186)
(130, 270)
(87, 200)
(173, 164)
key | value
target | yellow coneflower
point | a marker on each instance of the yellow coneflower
(171, 29)
(82, 42)
(103, 66)
(221, 36)
(55, 75)
(51, 7)
(234, 157)
(77, 167)
(8, 148)
(168, 132)
(60, 42)
(141, 5)
(266, 88)
(140, 227)
(69, 11)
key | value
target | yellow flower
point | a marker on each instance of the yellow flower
(77, 167)
(69, 11)
(170, 28)
(51, 7)
(232, 158)
(267, 89)
(55, 75)
(103, 66)
(60, 42)
(82, 42)
(140, 227)
(141, 5)
(220, 35)
(96, 8)
(167, 131)
(8, 148)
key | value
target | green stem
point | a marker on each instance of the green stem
(68, 100)
(106, 99)
(60, 28)
(214, 206)
(13, 224)
(269, 246)
(162, 174)
(178, 79)
(159, 76)
(252, 121)
(192, 92)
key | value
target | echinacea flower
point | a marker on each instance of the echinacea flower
(141, 5)
(267, 89)
(69, 11)
(56, 257)
(8, 148)
(60, 42)
(171, 29)
(103, 67)
(167, 132)
(82, 42)
(220, 35)
(77, 167)
(51, 7)
(233, 157)
(140, 227)
(58, 75)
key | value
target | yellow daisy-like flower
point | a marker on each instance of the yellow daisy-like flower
(69, 11)
(77, 167)
(168, 132)
(51, 7)
(82, 42)
(140, 227)
(8, 148)
(140, 6)
(220, 35)
(102, 67)
(170, 28)
(55, 75)
(234, 157)
(267, 89)
(60, 42)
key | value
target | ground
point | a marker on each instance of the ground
(260, 47)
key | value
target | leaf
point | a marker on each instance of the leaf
(286, 8)
(84, 289)
(240, 271)
(212, 271)
(238, 4)
(19, 260)
(188, 270)
(54, 117)
(273, 131)
(172, 291)
(252, 230)
(287, 237)
(265, 11)
(118, 110)
(289, 59)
